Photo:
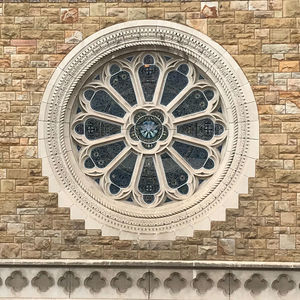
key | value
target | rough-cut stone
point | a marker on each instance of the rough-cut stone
(10, 250)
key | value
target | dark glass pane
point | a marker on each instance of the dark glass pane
(209, 94)
(219, 129)
(202, 129)
(114, 69)
(88, 94)
(96, 129)
(184, 189)
(209, 164)
(129, 199)
(121, 175)
(195, 156)
(148, 198)
(89, 163)
(175, 175)
(114, 189)
(103, 102)
(78, 110)
(167, 58)
(194, 102)
(200, 77)
(121, 82)
(97, 180)
(148, 183)
(220, 148)
(183, 69)
(148, 77)
(174, 84)
(97, 77)
(103, 155)
(79, 128)
(148, 59)
(129, 58)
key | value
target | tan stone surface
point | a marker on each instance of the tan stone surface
(264, 39)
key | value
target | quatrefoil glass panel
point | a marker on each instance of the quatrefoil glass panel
(149, 129)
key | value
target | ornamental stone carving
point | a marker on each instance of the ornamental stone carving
(42, 281)
(16, 281)
(149, 129)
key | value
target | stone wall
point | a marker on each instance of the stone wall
(263, 36)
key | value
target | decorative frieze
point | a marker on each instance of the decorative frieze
(148, 280)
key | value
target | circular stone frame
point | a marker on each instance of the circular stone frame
(112, 217)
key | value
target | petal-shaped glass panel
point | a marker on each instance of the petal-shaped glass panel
(148, 75)
(194, 102)
(95, 129)
(174, 84)
(203, 129)
(175, 175)
(121, 175)
(103, 102)
(121, 82)
(195, 156)
(148, 183)
(103, 155)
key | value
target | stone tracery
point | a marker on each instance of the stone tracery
(150, 143)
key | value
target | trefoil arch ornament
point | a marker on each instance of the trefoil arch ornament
(148, 130)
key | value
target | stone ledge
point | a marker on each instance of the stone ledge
(166, 264)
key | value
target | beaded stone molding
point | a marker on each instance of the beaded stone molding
(188, 160)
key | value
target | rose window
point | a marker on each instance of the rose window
(149, 129)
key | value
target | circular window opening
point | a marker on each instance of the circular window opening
(148, 130)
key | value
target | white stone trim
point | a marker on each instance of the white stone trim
(243, 143)
(70, 279)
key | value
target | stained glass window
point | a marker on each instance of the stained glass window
(149, 129)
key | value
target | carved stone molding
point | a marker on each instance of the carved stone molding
(74, 187)
(165, 282)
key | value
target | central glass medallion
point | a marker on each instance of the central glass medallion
(149, 129)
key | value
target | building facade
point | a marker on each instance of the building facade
(149, 149)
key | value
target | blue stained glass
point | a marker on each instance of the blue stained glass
(200, 77)
(129, 199)
(121, 175)
(121, 82)
(168, 200)
(167, 58)
(114, 189)
(174, 84)
(209, 164)
(148, 198)
(79, 128)
(220, 109)
(220, 148)
(209, 94)
(184, 69)
(194, 102)
(148, 183)
(88, 94)
(78, 147)
(130, 58)
(148, 59)
(89, 163)
(78, 110)
(184, 189)
(203, 129)
(195, 156)
(148, 75)
(175, 175)
(97, 180)
(96, 129)
(219, 129)
(103, 155)
(97, 77)
(103, 102)
(114, 69)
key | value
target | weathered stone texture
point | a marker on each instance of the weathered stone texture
(263, 37)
